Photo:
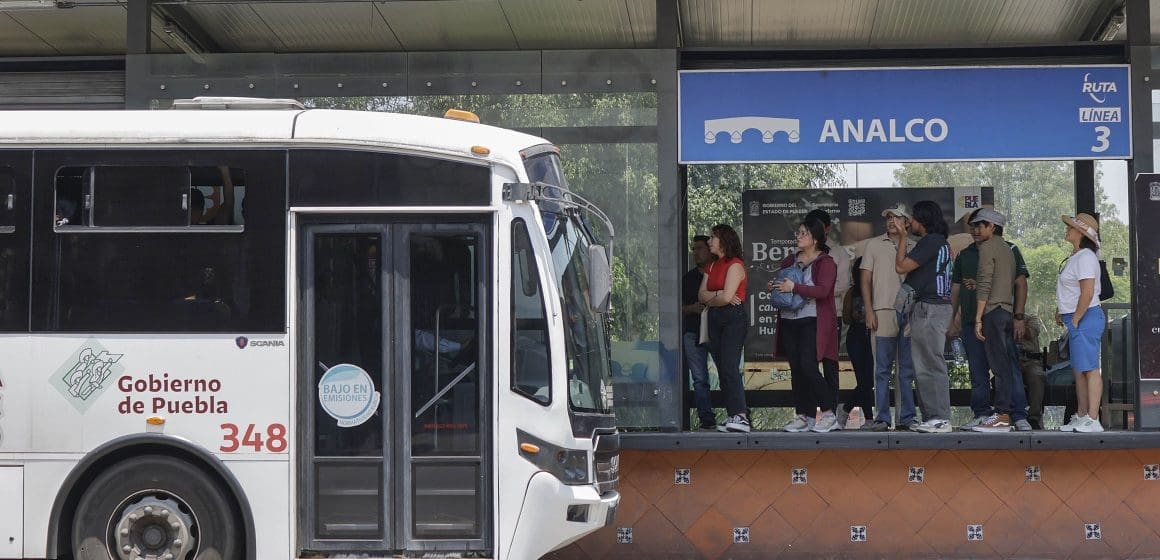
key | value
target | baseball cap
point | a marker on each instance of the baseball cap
(990, 215)
(898, 210)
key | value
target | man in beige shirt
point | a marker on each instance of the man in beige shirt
(880, 284)
(994, 322)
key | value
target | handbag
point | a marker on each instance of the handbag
(787, 301)
(904, 300)
(703, 336)
(1107, 290)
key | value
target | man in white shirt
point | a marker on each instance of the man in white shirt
(880, 284)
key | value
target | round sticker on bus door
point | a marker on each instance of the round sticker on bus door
(348, 395)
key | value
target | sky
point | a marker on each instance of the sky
(1114, 181)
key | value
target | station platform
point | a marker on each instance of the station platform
(1036, 494)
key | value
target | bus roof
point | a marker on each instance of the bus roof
(166, 127)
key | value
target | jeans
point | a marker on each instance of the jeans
(981, 389)
(811, 388)
(998, 330)
(885, 349)
(697, 362)
(928, 338)
(727, 328)
(862, 359)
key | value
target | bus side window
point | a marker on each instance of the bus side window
(217, 196)
(71, 186)
(531, 363)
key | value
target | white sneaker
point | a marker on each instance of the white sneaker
(1089, 425)
(934, 426)
(801, 423)
(1070, 426)
(828, 423)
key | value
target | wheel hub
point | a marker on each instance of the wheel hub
(154, 529)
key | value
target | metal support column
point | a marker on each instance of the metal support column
(1142, 232)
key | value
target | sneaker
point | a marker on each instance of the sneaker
(876, 426)
(1071, 424)
(704, 427)
(907, 426)
(935, 426)
(1023, 426)
(828, 423)
(995, 423)
(1089, 425)
(970, 426)
(800, 423)
(842, 415)
(735, 423)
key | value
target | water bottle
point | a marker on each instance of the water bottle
(957, 348)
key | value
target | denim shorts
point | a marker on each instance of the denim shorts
(1084, 341)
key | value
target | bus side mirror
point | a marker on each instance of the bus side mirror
(599, 279)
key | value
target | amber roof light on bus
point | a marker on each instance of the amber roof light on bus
(461, 115)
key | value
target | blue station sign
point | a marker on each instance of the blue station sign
(905, 114)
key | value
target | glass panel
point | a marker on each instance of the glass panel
(447, 502)
(621, 180)
(347, 330)
(445, 345)
(7, 200)
(385, 179)
(140, 196)
(217, 196)
(516, 111)
(13, 257)
(531, 363)
(349, 501)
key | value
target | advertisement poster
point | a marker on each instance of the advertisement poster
(770, 218)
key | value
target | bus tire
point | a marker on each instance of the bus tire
(151, 506)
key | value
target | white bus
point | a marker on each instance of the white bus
(251, 330)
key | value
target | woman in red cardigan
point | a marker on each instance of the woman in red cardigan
(810, 334)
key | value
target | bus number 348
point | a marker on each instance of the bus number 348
(275, 440)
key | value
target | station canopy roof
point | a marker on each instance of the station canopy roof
(39, 28)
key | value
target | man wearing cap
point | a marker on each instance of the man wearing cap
(994, 322)
(964, 299)
(880, 283)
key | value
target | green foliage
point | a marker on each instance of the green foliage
(715, 190)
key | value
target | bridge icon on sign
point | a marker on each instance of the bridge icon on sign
(767, 126)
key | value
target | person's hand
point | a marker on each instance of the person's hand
(979, 332)
(769, 286)
(735, 301)
(969, 283)
(1020, 329)
(786, 286)
(1075, 321)
(872, 321)
(1058, 319)
(955, 328)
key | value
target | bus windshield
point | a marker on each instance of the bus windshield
(585, 339)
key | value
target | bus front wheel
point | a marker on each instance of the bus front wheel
(157, 508)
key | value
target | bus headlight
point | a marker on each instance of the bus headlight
(573, 466)
(568, 465)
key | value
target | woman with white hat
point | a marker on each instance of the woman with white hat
(1077, 292)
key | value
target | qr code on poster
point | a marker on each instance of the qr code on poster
(856, 207)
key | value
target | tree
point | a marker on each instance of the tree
(714, 195)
